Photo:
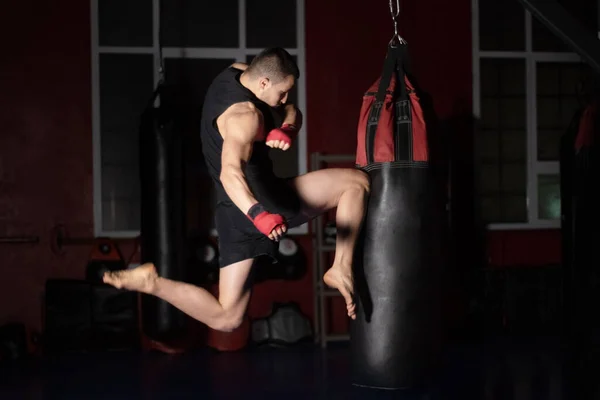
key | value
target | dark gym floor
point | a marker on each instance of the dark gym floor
(502, 369)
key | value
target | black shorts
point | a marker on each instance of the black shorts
(239, 239)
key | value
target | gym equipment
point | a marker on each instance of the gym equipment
(396, 336)
(568, 212)
(162, 208)
(290, 265)
(105, 254)
(580, 172)
(19, 239)
(13, 342)
(285, 326)
(60, 238)
(203, 262)
(292, 260)
(83, 316)
(104, 257)
(208, 253)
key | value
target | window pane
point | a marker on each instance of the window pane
(487, 147)
(120, 198)
(545, 40)
(490, 209)
(583, 11)
(501, 143)
(513, 146)
(285, 163)
(512, 112)
(549, 197)
(489, 180)
(125, 23)
(548, 147)
(121, 214)
(557, 101)
(513, 178)
(514, 209)
(271, 23)
(126, 84)
(494, 19)
(120, 182)
(193, 23)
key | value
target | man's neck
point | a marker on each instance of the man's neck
(245, 81)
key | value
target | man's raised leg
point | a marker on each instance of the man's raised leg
(224, 314)
(347, 189)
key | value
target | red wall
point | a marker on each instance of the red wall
(46, 147)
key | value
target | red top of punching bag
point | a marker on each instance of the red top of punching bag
(393, 129)
(585, 134)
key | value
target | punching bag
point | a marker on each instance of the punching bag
(567, 184)
(580, 172)
(162, 227)
(396, 337)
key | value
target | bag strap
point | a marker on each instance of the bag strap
(394, 63)
(403, 134)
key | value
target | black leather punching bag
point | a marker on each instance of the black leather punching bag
(568, 179)
(580, 174)
(162, 219)
(396, 336)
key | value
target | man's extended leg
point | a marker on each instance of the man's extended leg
(347, 189)
(224, 314)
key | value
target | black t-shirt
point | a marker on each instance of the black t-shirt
(224, 91)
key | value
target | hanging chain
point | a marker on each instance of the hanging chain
(395, 14)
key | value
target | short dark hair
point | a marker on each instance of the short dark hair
(274, 62)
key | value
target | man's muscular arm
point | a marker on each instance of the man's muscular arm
(292, 116)
(239, 130)
(282, 137)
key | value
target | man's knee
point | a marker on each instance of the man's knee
(360, 181)
(227, 321)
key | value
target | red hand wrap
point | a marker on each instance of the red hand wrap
(264, 221)
(283, 134)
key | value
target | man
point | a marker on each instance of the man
(255, 208)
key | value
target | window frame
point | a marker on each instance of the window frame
(534, 166)
(239, 54)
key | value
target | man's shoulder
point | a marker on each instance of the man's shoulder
(238, 66)
(227, 74)
(245, 110)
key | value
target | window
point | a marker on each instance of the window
(198, 40)
(525, 93)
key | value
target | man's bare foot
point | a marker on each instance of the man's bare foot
(340, 278)
(140, 279)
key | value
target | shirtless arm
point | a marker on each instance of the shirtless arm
(239, 127)
(292, 116)
(282, 137)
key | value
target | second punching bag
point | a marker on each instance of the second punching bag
(162, 227)
(396, 336)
